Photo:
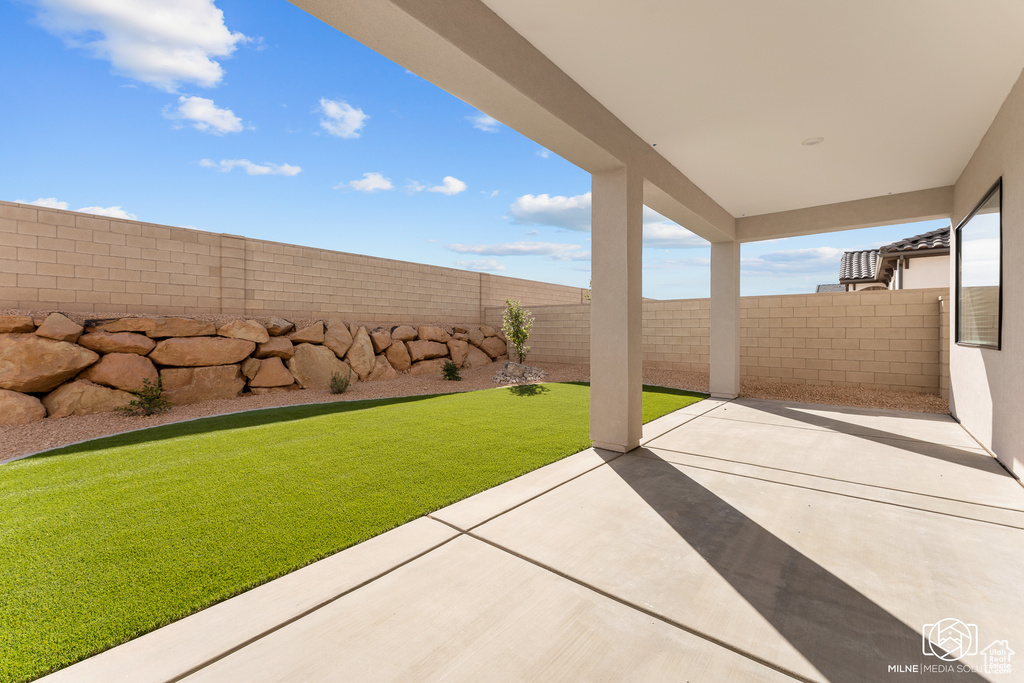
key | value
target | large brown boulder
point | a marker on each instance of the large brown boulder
(360, 355)
(30, 363)
(312, 334)
(201, 351)
(250, 366)
(382, 370)
(398, 356)
(475, 358)
(381, 339)
(458, 350)
(403, 333)
(461, 336)
(180, 327)
(422, 350)
(278, 326)
(312, 367)
(250, 330)
(193, 385)
(338, 338)
(428, 367)
(434, 334)
(121, 371)
(476, 337)
(58, 326)
(142, 325)
(277, 347)
(16, 324)
(84, 398)
(493, 347)
(488, 331)
(117, 342)
(19, 409)
(272, 373)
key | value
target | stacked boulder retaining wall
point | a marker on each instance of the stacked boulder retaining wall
(54, 366)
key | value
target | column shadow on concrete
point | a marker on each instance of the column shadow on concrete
(842, 633)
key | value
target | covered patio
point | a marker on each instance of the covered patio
(745, 540)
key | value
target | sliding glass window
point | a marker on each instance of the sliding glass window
(979, 273)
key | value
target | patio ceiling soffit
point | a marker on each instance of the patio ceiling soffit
(466, 49)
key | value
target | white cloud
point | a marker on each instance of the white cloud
(544, 153)
(341, 118)
(553, 250)
(371, 182)
(449, 186)
(571, 213)
(227, 165)
(47, 202)
(487, 264)
(109, 211)
(668, 235)
(205, 115)
(484, 122)
(815, 260)
(54, 203)
(157, 42)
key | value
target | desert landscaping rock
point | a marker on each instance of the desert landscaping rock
(488, 331)
(312, 367)
(250, 330)
(360, 355)
(338, 338)
(183, 386)
(459, 329)
(180, 327)
(251, 366)
(431, 333)
(117, 342)
(277, 347)
(423, 350)
(124, 371)
(84, 398)
(398, 356)
(262, 391)
(458, 350)
(517, 373)
(19, 409)
(403, 333)
(201, 351)
(382, 370)
(475, 358)
(476, 337)
(141, 325)
(381, 339)
(272, 373)
(16, 324)
(58, 326)
(493, 347)
(461, 336)
(31, 364)
(311, 334)
(428, 367)
(278, 326)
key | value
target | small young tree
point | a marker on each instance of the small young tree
(516, 323)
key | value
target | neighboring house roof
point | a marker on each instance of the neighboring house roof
(936, 239)
(824, 289)
(858, 265)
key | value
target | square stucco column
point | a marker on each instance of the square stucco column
(616, 314)
(725, 319)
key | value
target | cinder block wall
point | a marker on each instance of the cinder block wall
(884, 340)
(52, 259)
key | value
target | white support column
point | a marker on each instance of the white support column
(725, 319)
(616, 313)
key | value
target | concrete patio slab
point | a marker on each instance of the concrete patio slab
(666, 423)
(471, 612)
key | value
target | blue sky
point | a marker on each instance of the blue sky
(253, 118)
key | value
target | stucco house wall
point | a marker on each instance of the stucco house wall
(926, 272)
(985, 383)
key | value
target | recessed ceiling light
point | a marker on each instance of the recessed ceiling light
(812, 141)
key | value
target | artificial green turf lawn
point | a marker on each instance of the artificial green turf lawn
(106, 540)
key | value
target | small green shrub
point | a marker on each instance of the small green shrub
(148, 400)
(451, 371)
(339, 383)
(516, 323)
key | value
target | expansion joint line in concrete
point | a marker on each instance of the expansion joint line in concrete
(724, 402)
(306, 613)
